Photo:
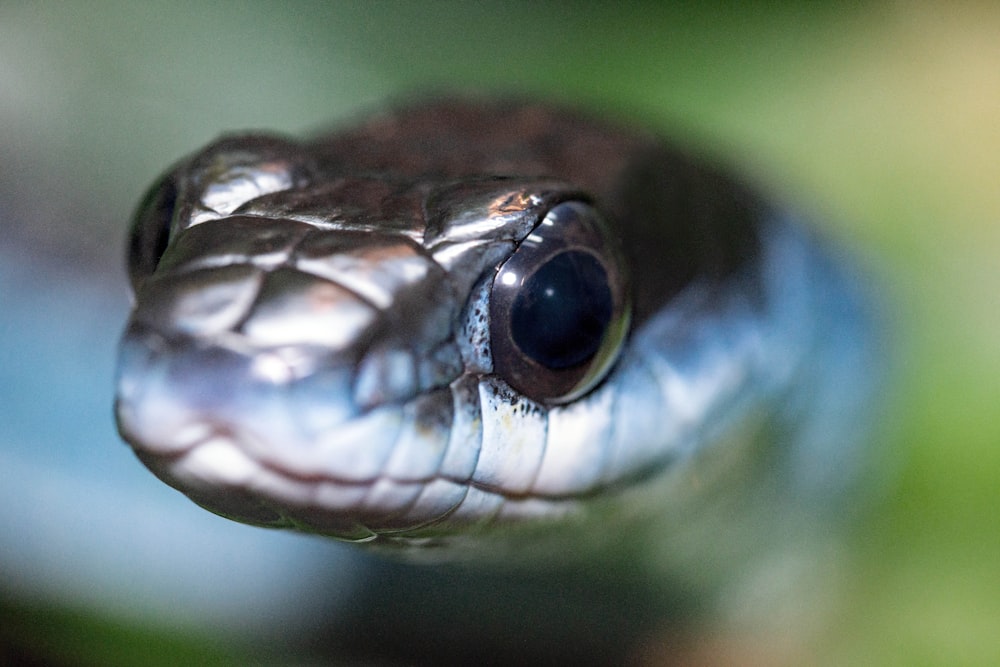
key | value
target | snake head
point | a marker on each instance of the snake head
(468, 328)
(351, 355)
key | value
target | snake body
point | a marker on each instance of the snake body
(479, 327)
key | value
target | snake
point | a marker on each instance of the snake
(483, 328)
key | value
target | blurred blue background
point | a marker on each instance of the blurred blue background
(880, 118)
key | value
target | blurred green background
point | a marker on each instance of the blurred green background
(879, 118)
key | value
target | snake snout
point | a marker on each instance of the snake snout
(306, 377)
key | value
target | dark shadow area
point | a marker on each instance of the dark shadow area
(419, 615)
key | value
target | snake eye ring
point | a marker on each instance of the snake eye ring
(559, 306)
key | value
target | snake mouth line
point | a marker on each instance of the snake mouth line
(219, 475)
(215, 468)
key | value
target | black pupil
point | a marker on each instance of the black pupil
(562, 311)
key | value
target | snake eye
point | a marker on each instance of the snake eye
(151, 230)
(559, 307)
